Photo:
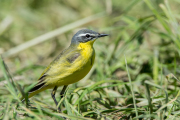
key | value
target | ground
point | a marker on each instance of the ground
(136, 70)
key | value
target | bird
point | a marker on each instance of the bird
(70, 66)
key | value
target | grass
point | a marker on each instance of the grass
(136, 70)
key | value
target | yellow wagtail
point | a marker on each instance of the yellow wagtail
(70, 66)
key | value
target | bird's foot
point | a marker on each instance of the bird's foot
(59, 110)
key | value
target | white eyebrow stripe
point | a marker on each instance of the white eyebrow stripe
(85, 34)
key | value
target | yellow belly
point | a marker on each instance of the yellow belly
(79, 74)
(78, 70)
(65, 73)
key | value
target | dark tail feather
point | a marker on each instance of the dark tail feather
(35, 90)
(38, 86)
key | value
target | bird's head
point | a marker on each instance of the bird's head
(86, 35)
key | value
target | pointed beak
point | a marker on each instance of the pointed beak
(102, 35)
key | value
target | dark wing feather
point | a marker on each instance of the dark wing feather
(40, 84)
(70, 57)
(66, 59)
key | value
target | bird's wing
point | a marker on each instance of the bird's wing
(58, 66)
(63, 62)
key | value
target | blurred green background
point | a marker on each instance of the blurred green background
(145, 33)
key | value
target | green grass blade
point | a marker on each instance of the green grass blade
(134, 99)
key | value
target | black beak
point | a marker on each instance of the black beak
(102, 35)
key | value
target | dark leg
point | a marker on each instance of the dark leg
(63, 90)
(53, 95)
(62, 95)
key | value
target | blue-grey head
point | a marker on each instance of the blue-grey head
(86, 35)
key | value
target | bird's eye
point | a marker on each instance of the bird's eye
(87, 35)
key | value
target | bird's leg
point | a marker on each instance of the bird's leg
(63, 91)
(54, 98)
(53, 95)
(61, 95)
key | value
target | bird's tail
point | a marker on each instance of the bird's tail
(30, 94)
(35, 90)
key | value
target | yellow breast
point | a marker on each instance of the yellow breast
(79, 68)
(84, 64)
(87, 53)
